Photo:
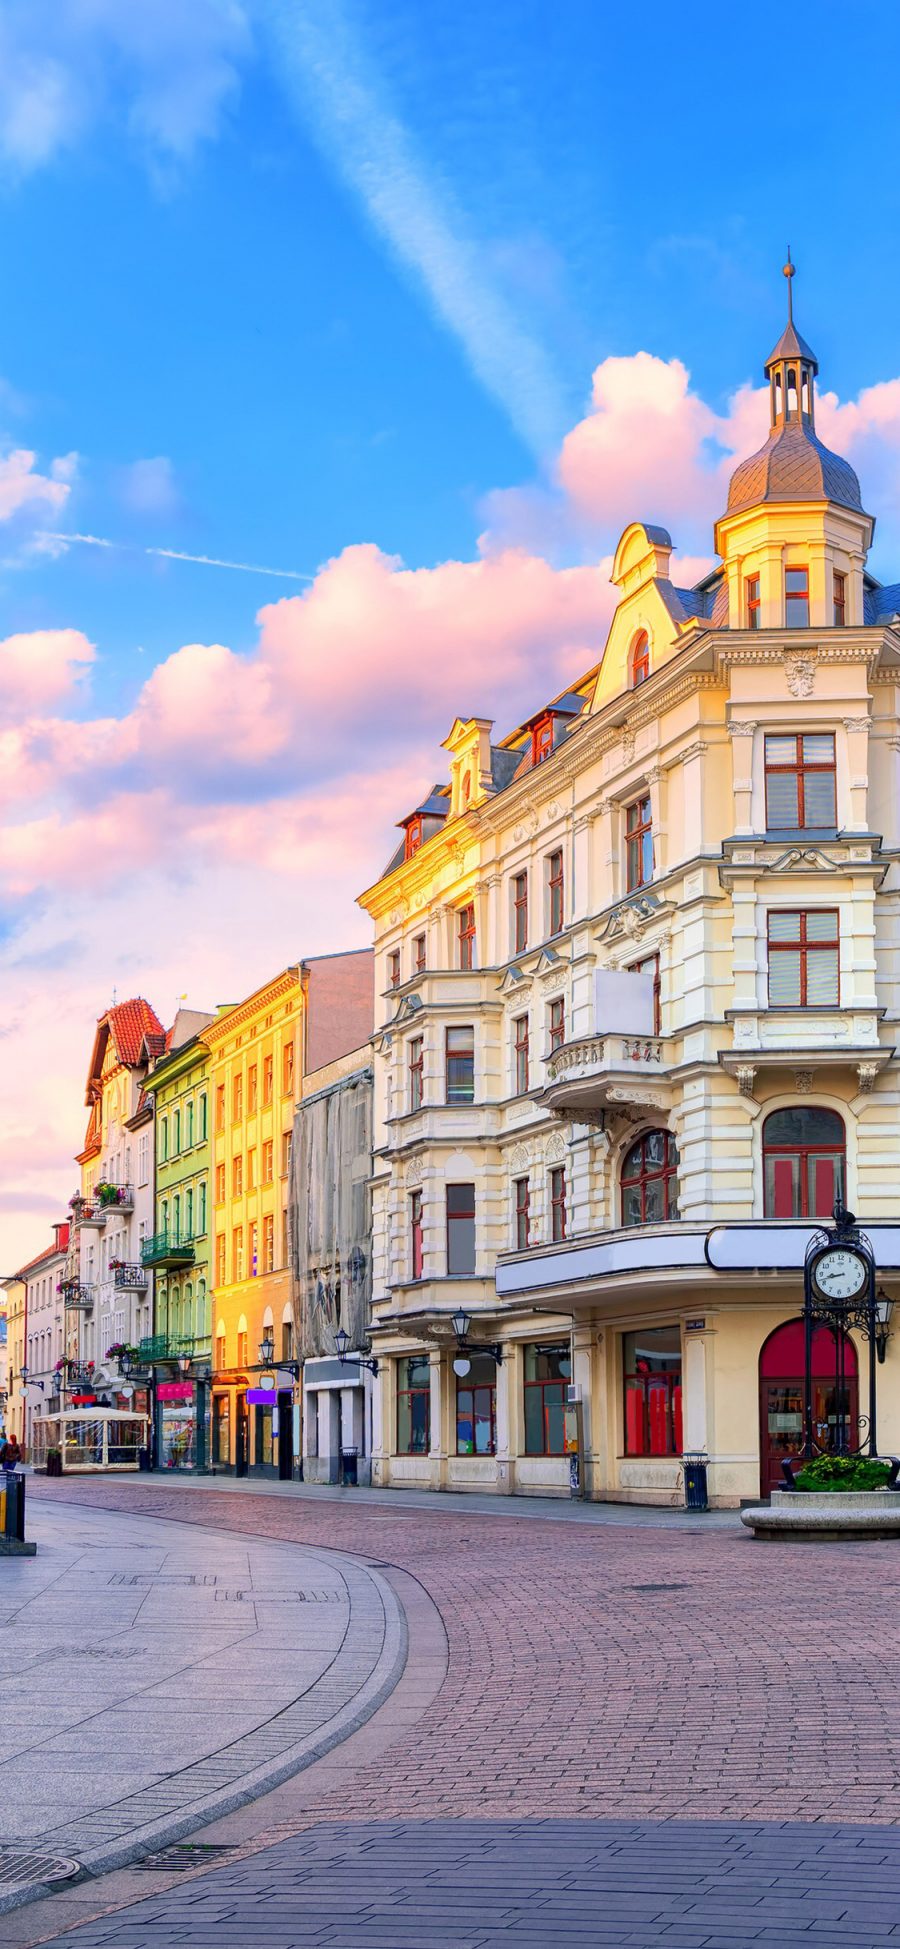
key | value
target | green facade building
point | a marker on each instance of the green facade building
(178, 1251)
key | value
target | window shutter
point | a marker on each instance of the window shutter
(822, 926)
(783, 1185)
(820, 807)
(784, 978)
(818, 748)
(782, 799)
(822, 988)
(824, 1186)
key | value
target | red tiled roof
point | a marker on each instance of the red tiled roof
(129, 1022)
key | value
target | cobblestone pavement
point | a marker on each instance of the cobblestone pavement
(644, 1735)
(529, 1885)
(151, 1678)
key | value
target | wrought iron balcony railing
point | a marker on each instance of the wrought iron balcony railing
(158, 1346)
(131, 1278)
(77, 1296)
(167, 1248)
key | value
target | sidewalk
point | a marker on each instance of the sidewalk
(151, 1680)
(400, 1501)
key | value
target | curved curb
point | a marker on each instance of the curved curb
(166, 1829)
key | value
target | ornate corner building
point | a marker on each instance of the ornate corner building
(639, 974)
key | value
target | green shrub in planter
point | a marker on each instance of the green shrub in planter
(840, 1473)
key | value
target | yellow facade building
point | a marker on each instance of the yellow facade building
(639, 967)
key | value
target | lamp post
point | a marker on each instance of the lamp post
(461, 1321)
(884, 1307)
(342, 1348)
(839, 1292)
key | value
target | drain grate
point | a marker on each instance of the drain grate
(20, 1868)
(657, 1586)
(183, 1855)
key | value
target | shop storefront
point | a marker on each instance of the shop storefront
(182, 1430)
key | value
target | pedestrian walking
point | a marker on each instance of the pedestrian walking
(10, 1454)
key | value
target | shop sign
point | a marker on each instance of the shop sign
(261, 1397)
(175, 1391)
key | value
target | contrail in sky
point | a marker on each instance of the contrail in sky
(179, 555)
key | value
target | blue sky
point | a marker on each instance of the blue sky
(294, 284)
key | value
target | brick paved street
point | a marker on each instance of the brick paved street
(625, 1678)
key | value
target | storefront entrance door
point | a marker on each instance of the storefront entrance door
(781, 1393)
(241, 1437)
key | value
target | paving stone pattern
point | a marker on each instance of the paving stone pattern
(613, 1672)
(492, 1885)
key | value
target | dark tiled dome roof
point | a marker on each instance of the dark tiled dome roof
(793, 466)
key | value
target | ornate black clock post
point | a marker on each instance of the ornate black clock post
(839, 1291)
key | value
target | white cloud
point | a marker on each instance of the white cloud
(150, 486)
(21, 486)
(345, 101)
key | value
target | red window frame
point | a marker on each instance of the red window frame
(413, 838)
(522, 1189)
(653, 1409)
(464, 1385)
(840, 599)
(754, 602)
(639, 1173)
(394, 968)
(412, 1394)
(556, 890)
(803, 947)
(462, 1214)
(556, 1388)
(520, 912)
(416, 1072)
(541, 739)
(800, 768)
(798, 574)
(640, 659)
(420, 951)
(520, 1050)
(557, 1023)
(459, 1090)
(650, 965)
(558, 1218)
(780, 1202)
(466, 936)
(638, 829)
(416, 1235)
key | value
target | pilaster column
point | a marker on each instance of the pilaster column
(740, 731)
(857, 729)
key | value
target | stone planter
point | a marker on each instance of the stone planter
(846, 1516)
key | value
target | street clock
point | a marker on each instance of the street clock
(840, 1274)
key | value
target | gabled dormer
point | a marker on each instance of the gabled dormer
(469, 745)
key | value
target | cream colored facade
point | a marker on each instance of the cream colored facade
(731, 666)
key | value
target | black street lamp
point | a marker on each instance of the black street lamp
(884, 1307)
(461, 1322)
(342, 1348)
(267, 1347)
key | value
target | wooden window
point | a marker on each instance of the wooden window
(557, 1017)
(220, 1106)
(189, 1214)
(163, 1139)
(287, 1068)
(460, 1064)
(237, 1177)
(414, 1405)
(420, 953)
(416, 1235)
(286, 1239)
(413, 839)
(522, 1190)
(176, 1133)
(650, 1180)
(394, 968)
(220, 1258)
(800, 782)
(189, 1124)
(520, 1051)
(251, 1089)
(416, 1072)
(804, 959)
(204, 1131)
(254, 1249)
(638, 844)
(650, 966)
(796, 598)
(558, 1204)
(202, 1218)
(269, 1242)
(651, 1363)
(476, 1417)
(268, 1078)
(804, 1162)
(237, 1098)
(220, 1362)
(287, 1339)
(268, 1161)
(640, 659)
(541, 740)
(520, 912)
(460, 1228)
(555, 891)
(466, 936)
(286, 1152)
(237, 1252)
(548, 1371)
(754, 618)
(242, 1349)
(840, 599)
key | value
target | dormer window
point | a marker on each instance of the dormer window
(840, 600)
(796, 598)
(640, 660)
(541, 739)
(413, 838)
(753, 602)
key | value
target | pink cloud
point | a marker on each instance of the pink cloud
(20, 486)
(41, 667)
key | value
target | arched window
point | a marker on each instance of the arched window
(640, 659)
(649, 1180)
(804, 1157)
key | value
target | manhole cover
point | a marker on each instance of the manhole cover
(181, 1856)
(21, 1869)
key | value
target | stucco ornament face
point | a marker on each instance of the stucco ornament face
(800, 672)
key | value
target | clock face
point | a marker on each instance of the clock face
(840, 1274)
